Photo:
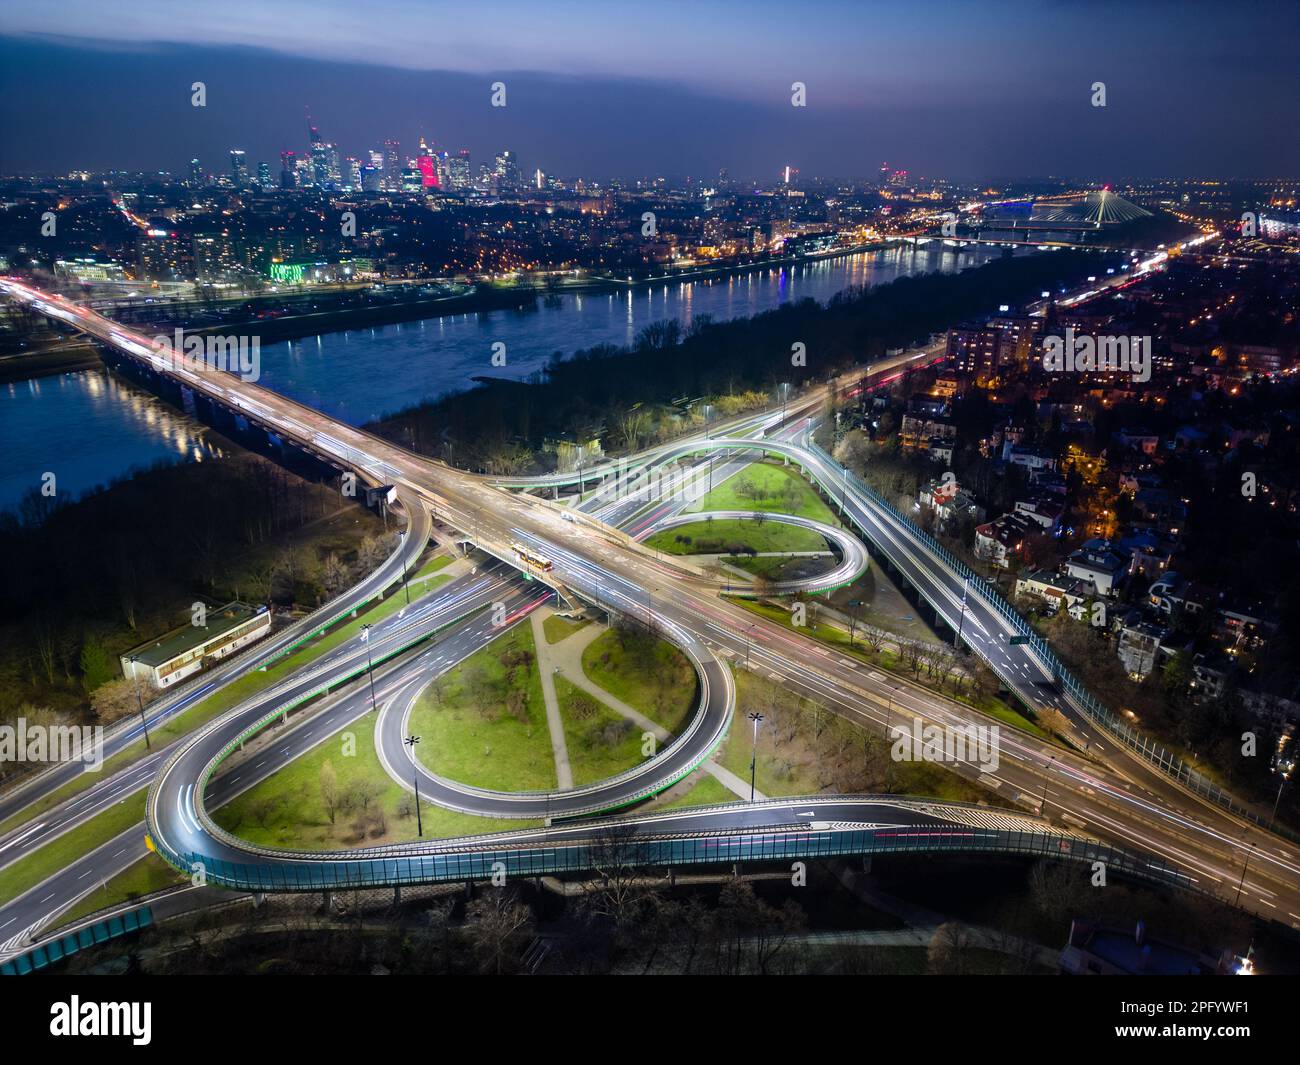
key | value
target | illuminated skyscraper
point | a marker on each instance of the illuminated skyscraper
(392, 165)
(458, 170)
(506, 171)
(333, 169)
(288, 170)
(197, 178)
(320, 171)
(424, 159)
(238, 168)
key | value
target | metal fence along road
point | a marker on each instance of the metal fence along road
(303, 873)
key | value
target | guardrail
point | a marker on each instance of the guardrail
(740, 845)
(57, 949)
(1144, 747)
(182, 862)
(653, 786)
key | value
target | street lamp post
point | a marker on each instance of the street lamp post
(1245, 865)
(405, 587)
(749, 636)
(1042, 805)
(1281, 784)
(956, 640)
(139, 701)
(370, 666)
(753, 757)
(411, 741)
(844, 490)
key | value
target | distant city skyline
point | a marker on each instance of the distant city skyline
(940, 89)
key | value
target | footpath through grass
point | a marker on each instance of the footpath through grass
(647, 673)
(707, 791)
(558, 628)
(432, 566)
(601, 743)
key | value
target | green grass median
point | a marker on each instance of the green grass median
(483, 722)
(601, 743)
(646, 673)
(339, 796)
(769, 487)
(76, 843)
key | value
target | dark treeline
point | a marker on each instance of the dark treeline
(83, 581)
(590, 392)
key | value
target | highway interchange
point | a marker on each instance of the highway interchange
(1099, 791)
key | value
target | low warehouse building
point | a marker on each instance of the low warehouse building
(166, 661)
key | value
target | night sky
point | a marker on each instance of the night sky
(965, 90)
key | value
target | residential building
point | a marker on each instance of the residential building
(1002, 539)
(1095, 561)
(1046, 511)
(1056, 590)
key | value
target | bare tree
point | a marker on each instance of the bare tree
(119, 698)
(329, 790)
(498, 926)
(874, 638)
(951, 949)
(613, 857)
(333, 574)
(911, 654)
(632, 425)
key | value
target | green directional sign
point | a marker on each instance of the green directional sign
(1019, 640)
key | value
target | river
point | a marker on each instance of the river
(91, 427)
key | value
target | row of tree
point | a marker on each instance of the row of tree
(85, 580)
(607, 391)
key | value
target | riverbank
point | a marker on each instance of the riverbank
(702, 273)
(84, 356)
(523, 296)
(631, 395)
(65, 358)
